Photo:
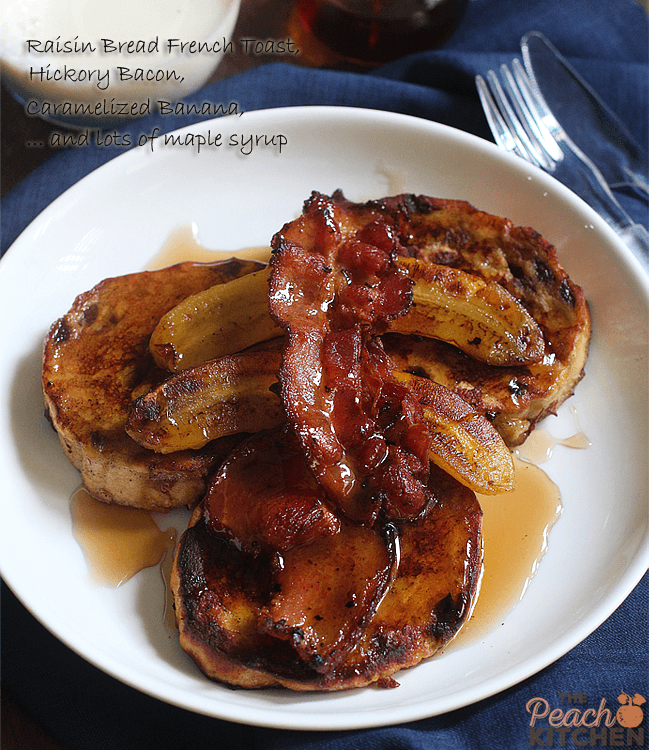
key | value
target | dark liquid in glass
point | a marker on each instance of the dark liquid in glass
(391, 32)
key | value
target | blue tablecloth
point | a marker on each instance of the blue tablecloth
(607, 41)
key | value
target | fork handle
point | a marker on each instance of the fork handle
(636, 238)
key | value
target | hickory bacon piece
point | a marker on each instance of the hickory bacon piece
(329, 590)
(264, 498)
(222, 598)
(329, 575)
(455, 234)
(332, 291)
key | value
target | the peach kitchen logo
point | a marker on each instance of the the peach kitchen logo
(572, 720)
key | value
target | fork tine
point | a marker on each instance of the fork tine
(510, 131)
(527, 127)
(511, 119)
(523, 121)
(553, 140)
(540, 120)
(500, 129)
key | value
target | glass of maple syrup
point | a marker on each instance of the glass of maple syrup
(369, 33)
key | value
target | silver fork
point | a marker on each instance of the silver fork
(523, 124)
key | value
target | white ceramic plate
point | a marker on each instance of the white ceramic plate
(115, 221)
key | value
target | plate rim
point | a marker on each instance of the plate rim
(631, 577)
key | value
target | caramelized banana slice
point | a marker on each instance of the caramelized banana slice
(482, 319)
(221, 397)
(465, 444)
(233, 394)
(224, 319)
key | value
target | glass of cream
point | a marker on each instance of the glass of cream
(89, 63)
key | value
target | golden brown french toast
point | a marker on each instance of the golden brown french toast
(454, 233)
(256, 618)
(331, 553)
(96, 360)
(404, 343)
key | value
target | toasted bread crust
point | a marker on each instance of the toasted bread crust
(454, 233)
(96, 360)
(220, 594)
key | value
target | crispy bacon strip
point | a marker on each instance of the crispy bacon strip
(328, 575)
(327, 591)
(333, 287)
(264, 498)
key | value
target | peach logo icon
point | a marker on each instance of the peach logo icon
(629, 714)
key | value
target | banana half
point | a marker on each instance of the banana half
(482, 319)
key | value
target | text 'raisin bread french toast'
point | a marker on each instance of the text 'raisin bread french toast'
(96, 360)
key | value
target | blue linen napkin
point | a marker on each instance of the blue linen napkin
(85, 709)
